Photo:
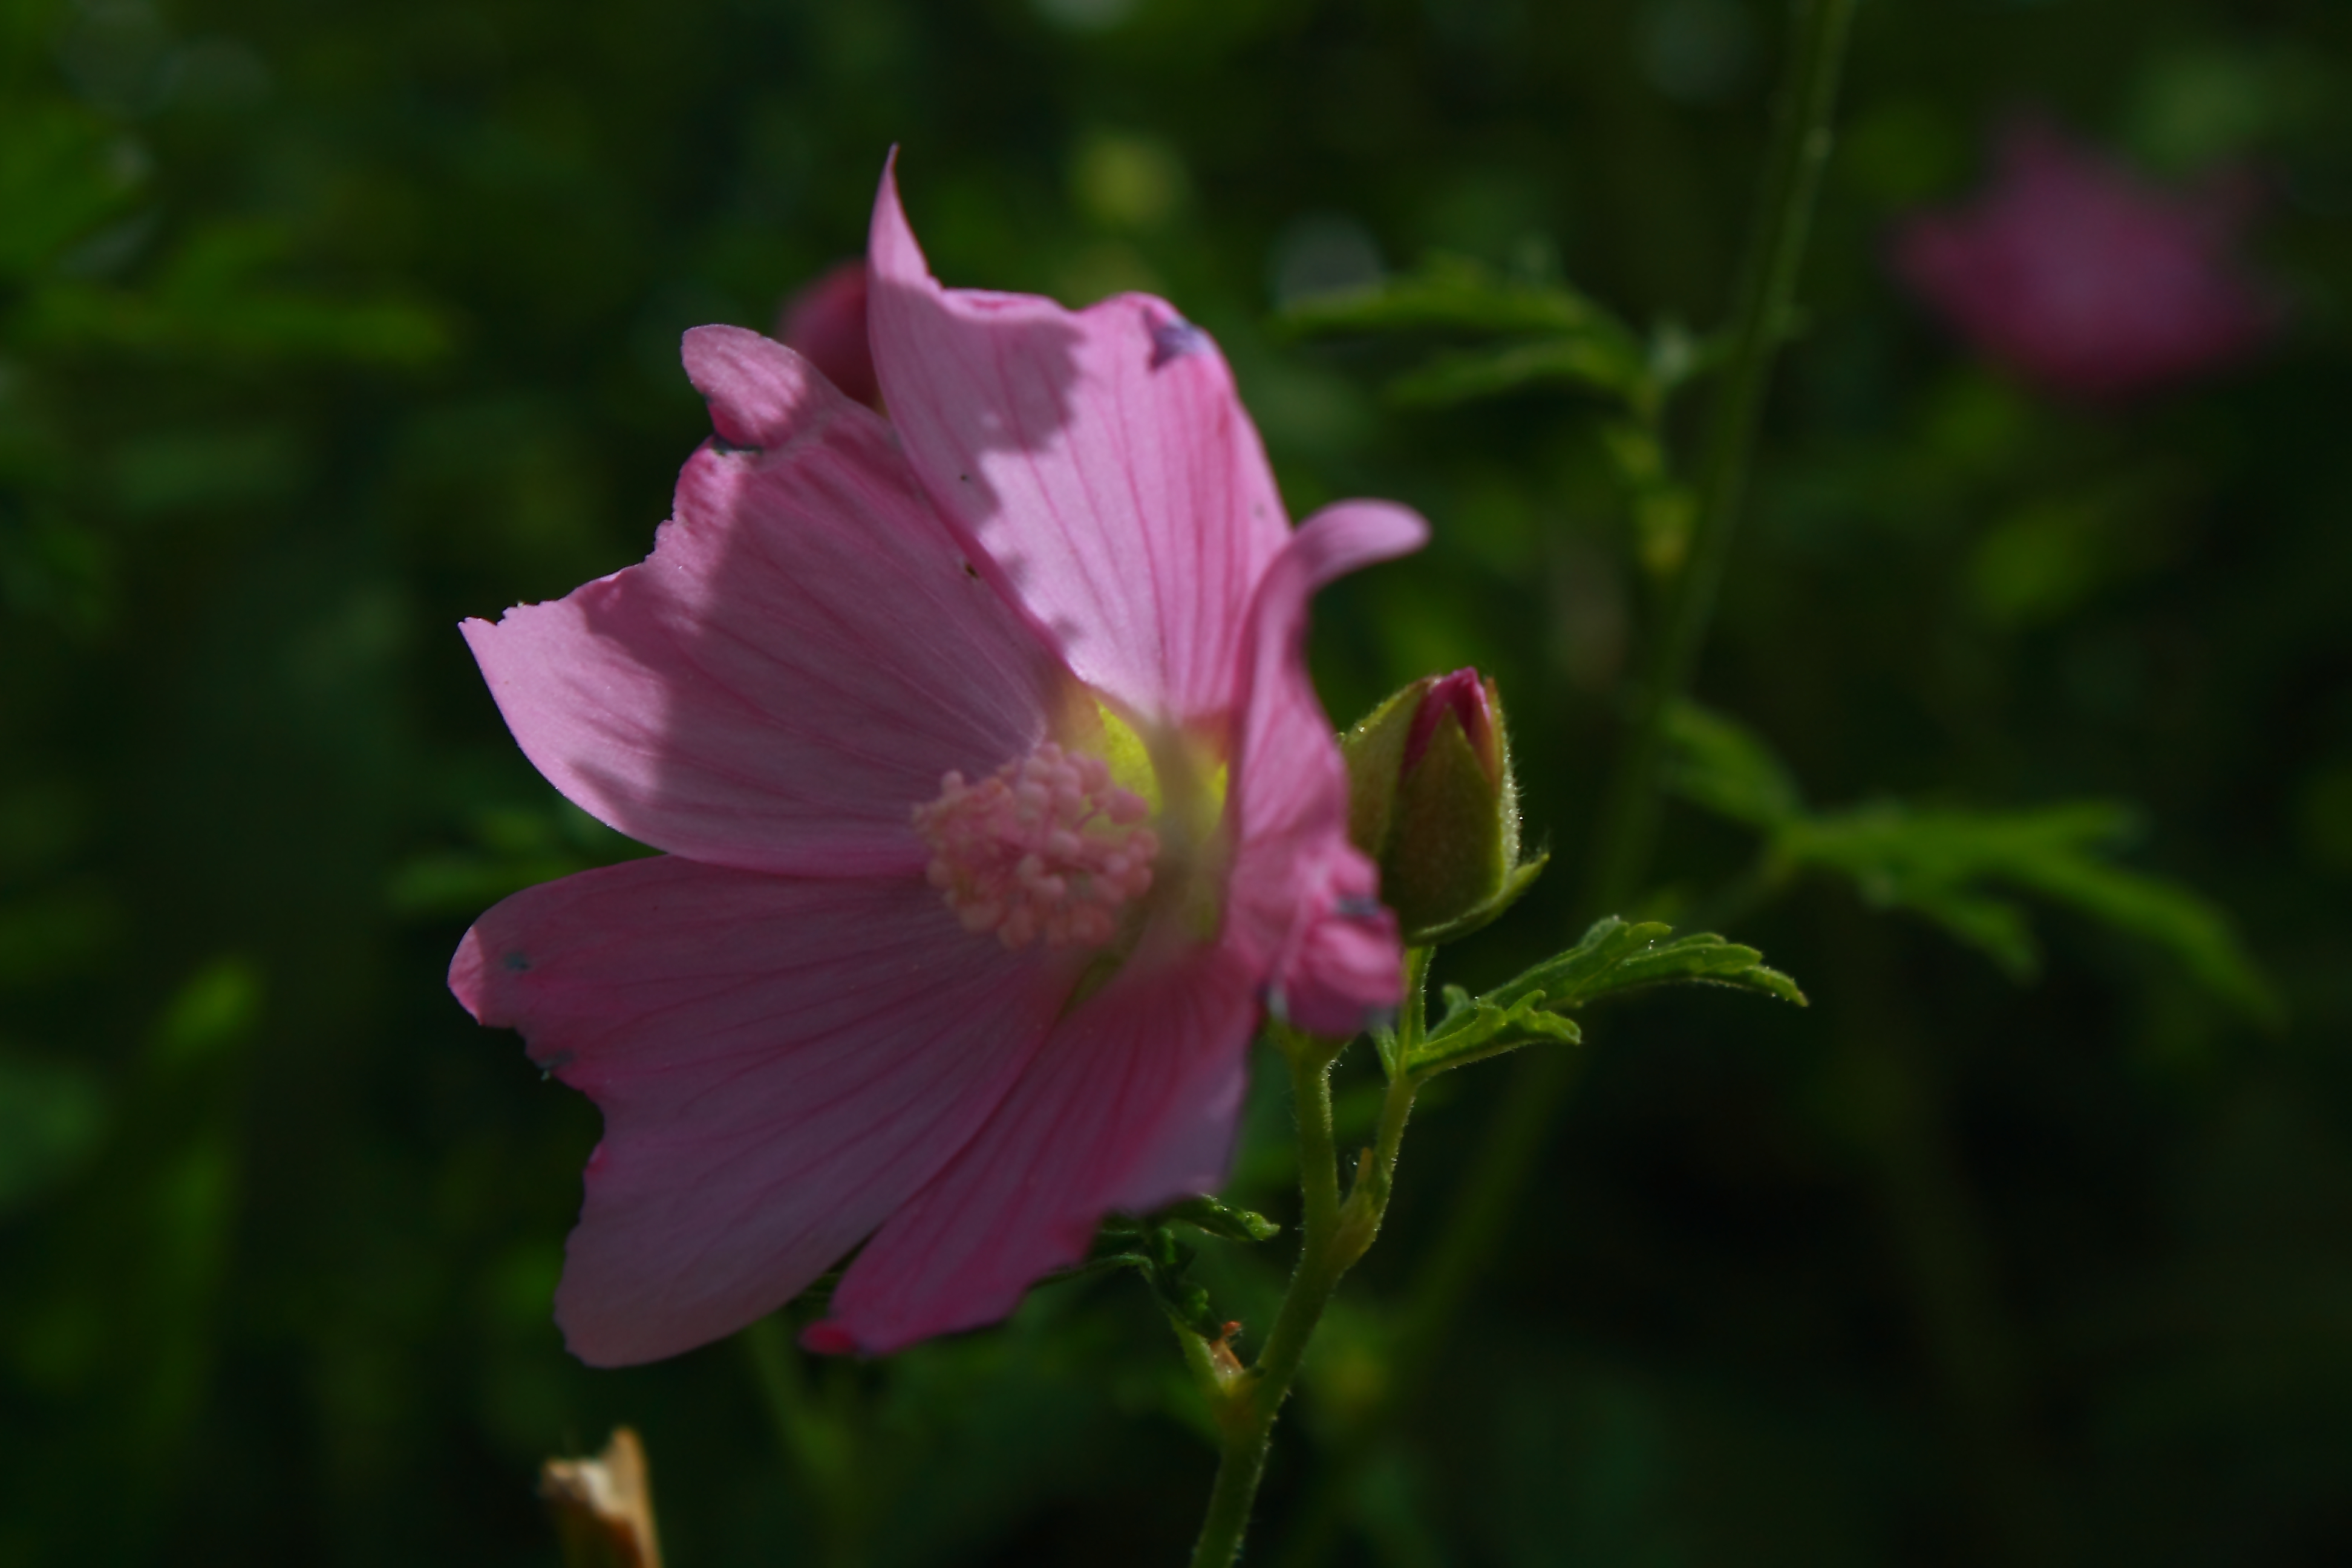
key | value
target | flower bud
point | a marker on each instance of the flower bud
(1431, 798)
(825, 323)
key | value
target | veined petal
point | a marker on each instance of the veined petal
(1100, 458)
(805, 653)
(781, 1063)
(1304, 899)
(1131, 1102)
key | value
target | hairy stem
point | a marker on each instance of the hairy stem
(1332, 1235)
(1798, 148)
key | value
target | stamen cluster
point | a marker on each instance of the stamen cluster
(1046, 846)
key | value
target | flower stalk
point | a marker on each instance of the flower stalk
(1333, 1234)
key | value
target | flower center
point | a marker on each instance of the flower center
(1047, 846)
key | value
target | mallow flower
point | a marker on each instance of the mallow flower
(997, 808)
(2081, 275)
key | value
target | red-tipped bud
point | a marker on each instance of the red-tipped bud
(825, 323)
(1463, 697)
(1432, 800)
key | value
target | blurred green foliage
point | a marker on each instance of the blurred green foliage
(322, 327)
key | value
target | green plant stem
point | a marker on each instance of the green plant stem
(1627, 824)
(1332, 1235)
(819, 1441)
(1482, 1209)
(1798, 148)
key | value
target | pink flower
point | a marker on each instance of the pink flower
(2078, 274)
(825, 323)
(998, 808)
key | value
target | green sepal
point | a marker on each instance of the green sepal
(1373, 749)
(1451, 836)
(1150, 1246)
(1221, 1220)
(1444, 831)
(1515, 887)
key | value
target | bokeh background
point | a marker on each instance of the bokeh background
(325, 325)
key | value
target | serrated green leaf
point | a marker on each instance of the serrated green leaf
(1565, 977)
(1958, 868)
(1947, 865)
(1705, 958)
(1614, 956)
(1486, 1030)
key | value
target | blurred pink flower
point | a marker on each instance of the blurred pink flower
(825, 323)
(2079, 275)
(998, 806)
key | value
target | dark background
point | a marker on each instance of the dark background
(323, 325)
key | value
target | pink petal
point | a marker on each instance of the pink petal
(781, 1063)
(825, 323)
(1131, 1102)
(1303, 902)
(804, 655)
(1101, 456)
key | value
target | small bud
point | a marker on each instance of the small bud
(1431, 798)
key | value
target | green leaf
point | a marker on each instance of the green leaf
(1606, 361)
(1948, 865)
(1962, 867)
(1452, 293)
(1719, 766)
(1476, 1029)
(1703, 959)
(1614, 957)
(1151, 1247)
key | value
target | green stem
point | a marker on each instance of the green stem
(1799, 148)
(819, 1442)
(1490, 1193)
(1333, 1235)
